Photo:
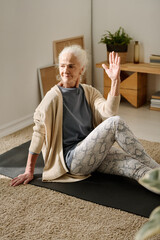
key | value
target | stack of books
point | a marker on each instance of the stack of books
(155, 101)
(155, 59)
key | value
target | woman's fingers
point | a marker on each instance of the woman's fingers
(114, 58)
(21, 179)
(16, 181)
(27, 180)
(110, 57)
(104, 66)
(13, 181)
(119, 60)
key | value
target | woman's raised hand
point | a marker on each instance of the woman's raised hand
(113, 71)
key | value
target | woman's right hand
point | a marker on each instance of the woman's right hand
(27, 176)
(21, 179)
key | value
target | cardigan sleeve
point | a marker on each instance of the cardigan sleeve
(41, 115)
(102, 108)
(110, 106)
(44, 117)
(38, 133)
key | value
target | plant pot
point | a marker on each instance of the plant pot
(120, 49)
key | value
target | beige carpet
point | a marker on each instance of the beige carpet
(34, 213)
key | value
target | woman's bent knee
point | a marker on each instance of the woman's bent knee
(115, 119)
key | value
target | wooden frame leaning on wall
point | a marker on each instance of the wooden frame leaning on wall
(60, 44)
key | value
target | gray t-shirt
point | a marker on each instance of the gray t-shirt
(77, 120)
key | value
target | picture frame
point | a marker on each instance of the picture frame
(47, 78)
(60, 44)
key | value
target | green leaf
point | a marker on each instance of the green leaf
(119, 37)
(150, 228)
(151, 180)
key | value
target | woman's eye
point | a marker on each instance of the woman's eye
(68, 66)
(71, 66)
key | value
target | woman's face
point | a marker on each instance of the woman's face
(70, 70)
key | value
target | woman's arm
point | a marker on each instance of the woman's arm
(113, 73)
(34, 150)
(27, 176)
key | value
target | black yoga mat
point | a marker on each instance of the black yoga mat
(104, 189)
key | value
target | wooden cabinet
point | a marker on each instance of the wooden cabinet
(133, 85)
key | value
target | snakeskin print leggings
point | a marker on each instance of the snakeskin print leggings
(96, 153)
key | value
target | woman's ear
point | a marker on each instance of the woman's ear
(82, 69)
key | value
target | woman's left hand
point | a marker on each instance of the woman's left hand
(113, 71)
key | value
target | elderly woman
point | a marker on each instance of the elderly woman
(75, 127)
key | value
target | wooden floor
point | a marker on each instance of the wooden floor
(144, 122)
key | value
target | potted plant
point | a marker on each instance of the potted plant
(117, 42)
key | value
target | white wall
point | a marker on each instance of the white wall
(28, 27)
(27, 30)
(140, 19)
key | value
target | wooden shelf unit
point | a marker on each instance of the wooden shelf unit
(133, 86)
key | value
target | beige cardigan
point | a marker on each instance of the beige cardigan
(47, 135)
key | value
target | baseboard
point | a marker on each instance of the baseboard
(16, 125)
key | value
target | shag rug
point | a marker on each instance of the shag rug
(34, 213)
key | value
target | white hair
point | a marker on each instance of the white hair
(79, 53)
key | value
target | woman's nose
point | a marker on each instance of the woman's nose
(66, 68)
